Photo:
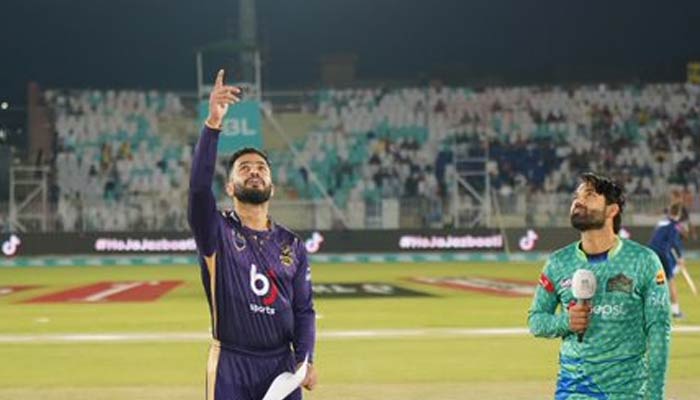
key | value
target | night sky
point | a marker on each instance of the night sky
(150, 43)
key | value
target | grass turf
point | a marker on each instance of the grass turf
(420, 367)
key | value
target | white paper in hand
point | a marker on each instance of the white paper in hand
(286, 382)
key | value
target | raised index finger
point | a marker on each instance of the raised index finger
(219, 79)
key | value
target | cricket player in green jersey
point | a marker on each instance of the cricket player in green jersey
(614, 346)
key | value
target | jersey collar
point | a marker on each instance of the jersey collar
(270, 224)
(581, 255)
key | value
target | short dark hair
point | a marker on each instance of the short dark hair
(613, 191)
(245, 150)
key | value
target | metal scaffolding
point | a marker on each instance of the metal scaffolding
(29, 203)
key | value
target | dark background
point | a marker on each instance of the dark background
(150, 43)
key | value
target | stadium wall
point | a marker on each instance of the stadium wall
(317, 242)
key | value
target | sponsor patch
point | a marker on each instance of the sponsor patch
(498, 287)
(620, 283)
(110, 292)
(609, 311)
(369, 289)
(546, 283)
(660, 277)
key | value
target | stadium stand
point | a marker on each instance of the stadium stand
(116, 167)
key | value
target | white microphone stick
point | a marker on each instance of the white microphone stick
(583, 286)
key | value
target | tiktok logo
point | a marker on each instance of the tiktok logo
(528, 242)
(313, 244)
(11, 246)
(263, 286)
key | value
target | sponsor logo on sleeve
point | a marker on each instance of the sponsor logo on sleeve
(546, 283)
(660, 277)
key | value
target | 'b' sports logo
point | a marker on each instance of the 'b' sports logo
(263, 286)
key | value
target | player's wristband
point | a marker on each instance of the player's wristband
(212, 126)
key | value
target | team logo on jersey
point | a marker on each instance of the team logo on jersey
(287, 256)
(620, 283)
(546, 283)
(660, 277)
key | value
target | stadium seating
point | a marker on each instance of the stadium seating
(538, 139)
(374, 144)
(114, 166)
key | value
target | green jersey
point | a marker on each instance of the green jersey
(624, 352)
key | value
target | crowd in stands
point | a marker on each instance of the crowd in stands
(116, 169)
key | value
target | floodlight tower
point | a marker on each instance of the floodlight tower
(247, 25)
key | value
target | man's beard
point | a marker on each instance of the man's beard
(587, 219)
(251, 195)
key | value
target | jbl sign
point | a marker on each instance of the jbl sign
(236, 127)
(242, 126)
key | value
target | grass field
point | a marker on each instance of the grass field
(387, 348)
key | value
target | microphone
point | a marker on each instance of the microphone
(583, 286)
